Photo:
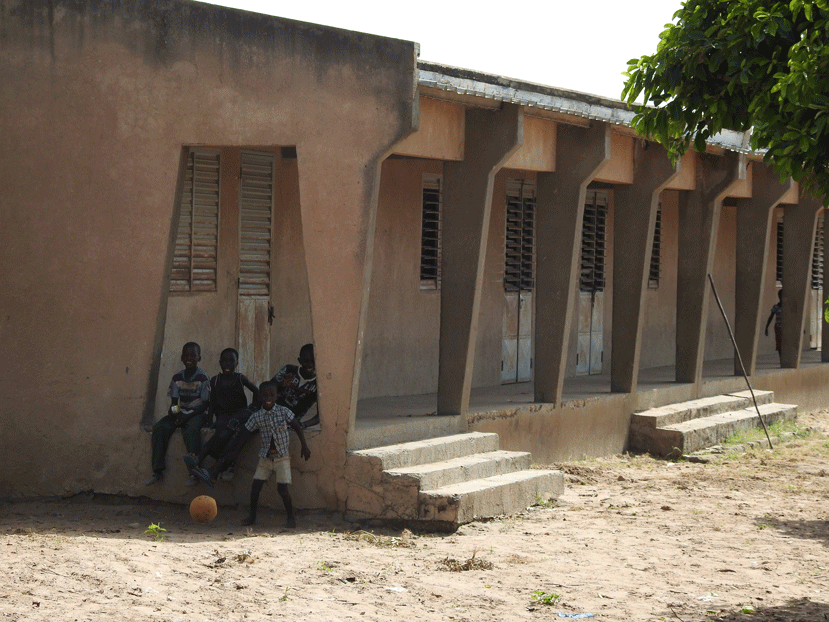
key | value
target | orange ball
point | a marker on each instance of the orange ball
(203, 509)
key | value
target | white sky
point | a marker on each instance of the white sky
(580, 45)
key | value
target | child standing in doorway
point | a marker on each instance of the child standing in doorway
(776, 315)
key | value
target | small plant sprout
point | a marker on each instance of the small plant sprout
(321, 565)
(284, 597)
(155, 531)
(545, 598)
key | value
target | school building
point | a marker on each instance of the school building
(467, 252)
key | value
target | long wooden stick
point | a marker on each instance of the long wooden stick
(739, 358)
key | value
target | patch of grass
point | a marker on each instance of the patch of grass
(776, 429)
(155, 531)
(545, 598)
(541, 502)
(325, 566)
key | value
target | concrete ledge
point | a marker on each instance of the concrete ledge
(693, 435)
(456, 470)
(492, 496)
(403, 455)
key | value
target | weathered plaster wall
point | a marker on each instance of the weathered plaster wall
(98, 100)
(659, 331)
(577, 429)
(400, 356)
(717, 342)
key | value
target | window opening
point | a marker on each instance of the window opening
(430, 233)
(593, 241)
(519, 256)
(817, 256)
(656, 251)
(779, 263)
(195, 252)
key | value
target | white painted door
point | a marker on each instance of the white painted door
(590, 354)
(256, 188)
(590, 346)
(519, 282)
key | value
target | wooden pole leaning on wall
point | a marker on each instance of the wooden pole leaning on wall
(739, 358)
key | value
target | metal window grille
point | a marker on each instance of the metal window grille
(593, 242)
(779, 261)
(656, 252)
(256, 203)
(519, 255)
(430, 236)
(817, 256)
(194, 255)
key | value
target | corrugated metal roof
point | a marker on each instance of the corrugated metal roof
(499, 88)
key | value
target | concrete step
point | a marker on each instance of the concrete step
(689, 436)
(444, 482)
(413, 453)
(464, 468)
(683, 411)
(488, 497)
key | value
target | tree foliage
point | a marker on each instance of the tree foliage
(758, 65)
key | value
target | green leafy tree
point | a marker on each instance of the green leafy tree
(758, 65)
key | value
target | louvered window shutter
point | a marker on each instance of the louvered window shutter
(519, 248)
(817, 256)
(430, 237)
(656, 252)
(256, 188)
(593, 239)
(194, 256)
(779, 262)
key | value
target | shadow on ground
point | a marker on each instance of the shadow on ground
(807, 529)
(799, 610)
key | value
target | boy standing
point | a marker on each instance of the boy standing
(272, 421)
(189, 395)
(776, 315)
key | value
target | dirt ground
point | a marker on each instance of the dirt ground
(744, 536)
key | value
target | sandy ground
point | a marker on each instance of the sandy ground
(631, 539)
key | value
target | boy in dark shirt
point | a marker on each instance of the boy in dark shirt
(298, 385)
(189, 395)
(229, 406)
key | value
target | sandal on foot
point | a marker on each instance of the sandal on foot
(191, 461)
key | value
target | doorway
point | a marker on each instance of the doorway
(519, 282)
(590, 349)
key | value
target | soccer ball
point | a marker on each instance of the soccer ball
(203, 509)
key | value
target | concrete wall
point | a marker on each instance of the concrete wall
(98, 100)
(400, 356)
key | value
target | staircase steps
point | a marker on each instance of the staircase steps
(690, 426)
(445, 482)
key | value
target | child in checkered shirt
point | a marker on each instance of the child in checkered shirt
(272, 422)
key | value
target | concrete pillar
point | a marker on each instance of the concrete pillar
(634, 220)
(491, 137)
(699, 217)
(581, 153)
(799, 223)
(754, 220)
